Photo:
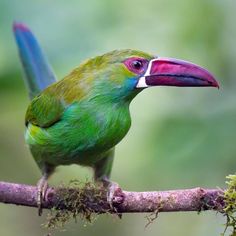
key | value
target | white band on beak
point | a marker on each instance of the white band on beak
(142, 83)
(142, 80)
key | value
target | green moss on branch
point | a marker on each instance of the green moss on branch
(78, 200)
(230, 205)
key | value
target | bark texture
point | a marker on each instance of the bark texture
(196, 199)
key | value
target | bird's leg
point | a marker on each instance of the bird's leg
(42, 186)
(102, 173)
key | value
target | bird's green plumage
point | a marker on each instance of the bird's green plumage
(82, 117)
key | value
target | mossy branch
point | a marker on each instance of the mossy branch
(87, 200)
(94, 197)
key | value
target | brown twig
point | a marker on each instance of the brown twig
(196, 199)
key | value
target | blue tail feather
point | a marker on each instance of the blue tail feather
(38, 73)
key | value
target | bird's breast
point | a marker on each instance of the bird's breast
(100, 128)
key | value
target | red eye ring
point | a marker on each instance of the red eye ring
(136, 65)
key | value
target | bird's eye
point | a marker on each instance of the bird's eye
(136, 65)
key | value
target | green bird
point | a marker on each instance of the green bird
(81, 118)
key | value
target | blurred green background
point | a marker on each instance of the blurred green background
(180, 137)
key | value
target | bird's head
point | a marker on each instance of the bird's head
(120, 75)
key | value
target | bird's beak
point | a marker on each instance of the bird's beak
(173, 72)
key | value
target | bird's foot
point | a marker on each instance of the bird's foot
(42, 186)
(112, 189)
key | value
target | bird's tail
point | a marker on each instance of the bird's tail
(38, 73)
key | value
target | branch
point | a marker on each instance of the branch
(196, 199)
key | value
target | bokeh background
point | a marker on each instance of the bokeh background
(180, 137)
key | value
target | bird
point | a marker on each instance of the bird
(82, 117)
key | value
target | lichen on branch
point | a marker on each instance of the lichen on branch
(230, 204)
(77, 200)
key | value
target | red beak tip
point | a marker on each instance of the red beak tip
(216, 84)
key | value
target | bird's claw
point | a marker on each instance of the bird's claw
(112, 188)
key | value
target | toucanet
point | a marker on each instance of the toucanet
(81, 118)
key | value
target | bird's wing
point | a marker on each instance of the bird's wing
(44, 110)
